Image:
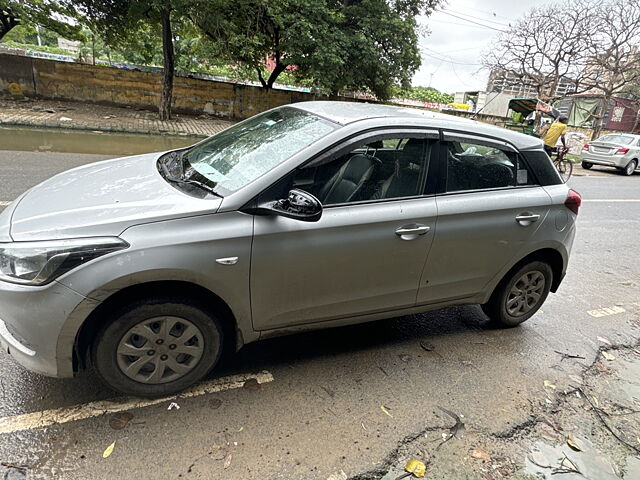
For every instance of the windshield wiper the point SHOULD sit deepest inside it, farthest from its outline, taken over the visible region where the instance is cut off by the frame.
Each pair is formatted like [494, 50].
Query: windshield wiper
[187, 181]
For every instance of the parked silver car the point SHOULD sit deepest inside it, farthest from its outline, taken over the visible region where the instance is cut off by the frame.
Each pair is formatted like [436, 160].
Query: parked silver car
[619, 150]
[307, 216]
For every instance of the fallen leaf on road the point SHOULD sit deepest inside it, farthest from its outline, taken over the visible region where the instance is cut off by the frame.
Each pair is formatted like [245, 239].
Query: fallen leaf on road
[480, 454]
[120, 420]
[427, 346]
[547, 383]
[604, 340]
[227, 461]
[416, 468]
[240, 429]
[386, 412]
[251, 384]
[537, 458]
[574, 443]
[109, 450]
[608, 356]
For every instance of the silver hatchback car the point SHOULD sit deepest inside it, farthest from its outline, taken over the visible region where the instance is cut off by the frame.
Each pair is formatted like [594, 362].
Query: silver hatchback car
[307, 216]
[619, 150]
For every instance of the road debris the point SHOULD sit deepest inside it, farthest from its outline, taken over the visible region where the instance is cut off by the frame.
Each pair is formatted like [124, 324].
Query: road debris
[480, 454]
[173, 405]
[456, 431]
[415, 468]
[386, 412]
[341, 475]
[251, 384]
[574, 443]
[426, 346]
[548, 384]
[604, 340]
[109, 450]
[120, 420]
[227, 461]
[66, 119]
[567, 356]
[608, 356]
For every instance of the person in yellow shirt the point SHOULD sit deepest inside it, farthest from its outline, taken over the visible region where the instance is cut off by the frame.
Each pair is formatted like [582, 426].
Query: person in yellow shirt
[556, 131]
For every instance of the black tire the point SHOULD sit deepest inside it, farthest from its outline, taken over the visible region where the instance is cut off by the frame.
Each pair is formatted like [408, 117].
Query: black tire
[630, 168]
[496, 308]
[208, 342]
[587, 165]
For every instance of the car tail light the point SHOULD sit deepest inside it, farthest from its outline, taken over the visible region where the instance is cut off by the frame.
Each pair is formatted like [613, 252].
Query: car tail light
[585, 147]
[622, 151]
[573, 201]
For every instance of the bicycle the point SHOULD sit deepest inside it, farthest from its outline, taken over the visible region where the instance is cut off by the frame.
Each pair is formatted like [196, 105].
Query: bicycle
[562, 164]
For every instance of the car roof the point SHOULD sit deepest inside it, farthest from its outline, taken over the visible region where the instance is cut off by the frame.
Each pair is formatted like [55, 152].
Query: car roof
[346, 113]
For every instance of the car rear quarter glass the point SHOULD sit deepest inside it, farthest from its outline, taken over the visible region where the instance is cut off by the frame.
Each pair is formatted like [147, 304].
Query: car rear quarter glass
[542, 167]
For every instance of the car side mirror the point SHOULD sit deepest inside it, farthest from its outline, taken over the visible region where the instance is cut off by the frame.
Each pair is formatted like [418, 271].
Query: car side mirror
[299, 205]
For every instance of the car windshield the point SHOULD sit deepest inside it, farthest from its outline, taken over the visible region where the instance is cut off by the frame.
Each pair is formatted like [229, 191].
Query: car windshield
[239, 155]
[617, 139]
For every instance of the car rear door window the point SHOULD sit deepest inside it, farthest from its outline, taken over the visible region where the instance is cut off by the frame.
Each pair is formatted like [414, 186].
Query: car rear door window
[479, 166]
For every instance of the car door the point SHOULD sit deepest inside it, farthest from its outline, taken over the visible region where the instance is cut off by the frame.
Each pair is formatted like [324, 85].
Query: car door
[489, 206]
[364, 255]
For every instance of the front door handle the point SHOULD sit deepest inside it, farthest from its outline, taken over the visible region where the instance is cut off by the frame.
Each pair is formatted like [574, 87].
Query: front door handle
[527, 218]
[409, 232]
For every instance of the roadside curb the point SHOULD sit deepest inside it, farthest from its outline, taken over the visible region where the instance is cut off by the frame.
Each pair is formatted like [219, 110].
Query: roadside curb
[106, 129]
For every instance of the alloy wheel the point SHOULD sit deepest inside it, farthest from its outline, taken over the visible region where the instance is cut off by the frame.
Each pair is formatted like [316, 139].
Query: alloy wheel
[160, 350]
[525, 294]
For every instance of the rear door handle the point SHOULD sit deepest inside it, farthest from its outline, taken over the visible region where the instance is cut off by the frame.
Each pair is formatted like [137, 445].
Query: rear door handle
[527, 217]
[409, 232]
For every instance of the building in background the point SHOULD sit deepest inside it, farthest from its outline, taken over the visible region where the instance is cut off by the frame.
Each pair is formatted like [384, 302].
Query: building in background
[509, 83]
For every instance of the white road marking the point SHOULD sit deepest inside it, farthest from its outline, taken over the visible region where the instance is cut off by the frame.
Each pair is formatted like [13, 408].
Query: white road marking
[45, 418]
[611, 200]
[605, 312]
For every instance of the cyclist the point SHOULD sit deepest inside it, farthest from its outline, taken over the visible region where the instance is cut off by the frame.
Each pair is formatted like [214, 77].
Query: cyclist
[555, 131]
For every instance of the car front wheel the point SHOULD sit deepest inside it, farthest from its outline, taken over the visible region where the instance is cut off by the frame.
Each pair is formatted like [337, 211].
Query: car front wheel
[157, 347]
[520, 294]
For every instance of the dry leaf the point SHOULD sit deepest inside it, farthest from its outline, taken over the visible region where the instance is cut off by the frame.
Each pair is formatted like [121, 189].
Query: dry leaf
[386, 412]
[227, 461]
[109, 450]
[574, 443]
[416, 468]
[595, 401]
[547, 383]
[604, 340]
[608, 356]
[251, 384]
[480, 454]
[120, 420]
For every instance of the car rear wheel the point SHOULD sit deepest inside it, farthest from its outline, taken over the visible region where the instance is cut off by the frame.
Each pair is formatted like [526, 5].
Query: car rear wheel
[520, 294]
[587, 165]
[157, 347]
[630, 168]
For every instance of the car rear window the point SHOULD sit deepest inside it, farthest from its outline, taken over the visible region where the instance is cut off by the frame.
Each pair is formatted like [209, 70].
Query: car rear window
[617, 139]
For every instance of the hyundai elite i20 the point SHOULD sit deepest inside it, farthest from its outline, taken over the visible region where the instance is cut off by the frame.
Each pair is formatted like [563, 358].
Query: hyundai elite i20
[307, 216]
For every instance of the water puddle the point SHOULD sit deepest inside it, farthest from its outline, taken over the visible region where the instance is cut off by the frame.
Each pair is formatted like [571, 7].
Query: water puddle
[551, 462]
[80, 141]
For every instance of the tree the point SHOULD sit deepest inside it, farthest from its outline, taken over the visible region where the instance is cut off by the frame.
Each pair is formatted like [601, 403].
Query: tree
[612, 62]
[546, 45]
[118, 21]
[337, 44]
[46, 13]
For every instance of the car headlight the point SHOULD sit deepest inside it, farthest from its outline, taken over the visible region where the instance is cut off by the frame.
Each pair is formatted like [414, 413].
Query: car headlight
[38, 263]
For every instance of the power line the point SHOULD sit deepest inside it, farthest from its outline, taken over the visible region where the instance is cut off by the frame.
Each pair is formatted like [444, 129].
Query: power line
[451, 61]
[471, 21]
[476, 18]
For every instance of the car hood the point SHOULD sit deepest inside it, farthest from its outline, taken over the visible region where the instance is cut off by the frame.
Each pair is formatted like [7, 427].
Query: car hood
[103, 198]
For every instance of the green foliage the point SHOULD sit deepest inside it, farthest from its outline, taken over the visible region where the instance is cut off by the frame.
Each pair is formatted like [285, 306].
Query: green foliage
[423, 94]
[52, 15]
[334, 44]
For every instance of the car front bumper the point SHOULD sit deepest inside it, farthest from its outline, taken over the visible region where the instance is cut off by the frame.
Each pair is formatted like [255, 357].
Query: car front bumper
[32, 320]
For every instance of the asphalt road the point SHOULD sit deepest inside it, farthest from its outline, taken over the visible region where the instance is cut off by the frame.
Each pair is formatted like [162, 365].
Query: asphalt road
[321, 414]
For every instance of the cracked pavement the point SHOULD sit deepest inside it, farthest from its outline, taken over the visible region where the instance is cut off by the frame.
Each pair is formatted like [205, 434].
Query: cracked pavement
[358, 402]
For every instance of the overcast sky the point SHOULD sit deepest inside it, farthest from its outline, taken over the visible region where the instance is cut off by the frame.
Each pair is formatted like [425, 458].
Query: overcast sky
[451, 52]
